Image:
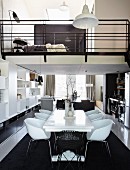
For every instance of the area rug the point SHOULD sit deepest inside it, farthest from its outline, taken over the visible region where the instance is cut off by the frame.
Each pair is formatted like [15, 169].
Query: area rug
[97, 158]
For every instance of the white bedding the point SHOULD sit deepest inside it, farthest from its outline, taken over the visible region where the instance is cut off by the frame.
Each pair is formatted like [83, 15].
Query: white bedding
[55, 47]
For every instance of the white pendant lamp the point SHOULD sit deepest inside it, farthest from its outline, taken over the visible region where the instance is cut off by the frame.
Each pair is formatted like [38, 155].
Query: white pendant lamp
[86, 19]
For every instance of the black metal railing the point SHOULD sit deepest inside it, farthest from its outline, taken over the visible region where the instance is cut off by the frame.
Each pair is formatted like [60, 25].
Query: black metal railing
[32, 37]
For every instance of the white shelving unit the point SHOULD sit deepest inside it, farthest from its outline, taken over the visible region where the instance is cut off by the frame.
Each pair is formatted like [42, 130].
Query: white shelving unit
[27, 91]
[17, 92]
[4, 100]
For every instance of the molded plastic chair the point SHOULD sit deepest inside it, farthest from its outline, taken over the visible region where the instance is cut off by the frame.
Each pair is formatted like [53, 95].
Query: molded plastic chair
[92, 112]
[45, 111]
[41, 116]
[101, 131]
[36, 131]
[94, 117]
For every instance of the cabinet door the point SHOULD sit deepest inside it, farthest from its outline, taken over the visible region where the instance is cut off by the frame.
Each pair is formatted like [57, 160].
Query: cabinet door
[21, 106]
[12, 89]
[2, 82]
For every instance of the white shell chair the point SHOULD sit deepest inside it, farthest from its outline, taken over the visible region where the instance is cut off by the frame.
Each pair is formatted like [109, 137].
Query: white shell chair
[45, 111]
[92, 112]
[36, 131]
[101, 131]
[94, 117]
[41, 116]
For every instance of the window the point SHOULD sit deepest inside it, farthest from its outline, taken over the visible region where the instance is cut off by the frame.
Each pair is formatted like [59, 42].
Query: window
[60, 86]
[81, 85]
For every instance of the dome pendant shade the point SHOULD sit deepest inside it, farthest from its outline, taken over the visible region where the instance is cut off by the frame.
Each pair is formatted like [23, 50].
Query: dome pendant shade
[64, 7]
[85, 20]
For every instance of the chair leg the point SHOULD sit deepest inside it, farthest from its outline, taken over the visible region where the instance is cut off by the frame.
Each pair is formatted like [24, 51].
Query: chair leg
[86, 148]
[50, 152]
[29, 145]
[107, 147]
[59, 159]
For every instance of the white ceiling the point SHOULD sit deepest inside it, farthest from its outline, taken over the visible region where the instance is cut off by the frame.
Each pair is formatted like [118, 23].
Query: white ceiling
[37, 9]
[81, 69]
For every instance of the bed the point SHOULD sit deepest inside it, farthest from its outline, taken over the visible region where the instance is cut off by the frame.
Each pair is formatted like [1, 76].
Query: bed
[45, 48]
[52, 38]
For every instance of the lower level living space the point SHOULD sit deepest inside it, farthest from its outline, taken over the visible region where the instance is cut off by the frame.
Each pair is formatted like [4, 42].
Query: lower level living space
[62, 103]
[16, 133]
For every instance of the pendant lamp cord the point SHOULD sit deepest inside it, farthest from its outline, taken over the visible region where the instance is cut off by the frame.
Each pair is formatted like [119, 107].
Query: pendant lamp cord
[40, 65]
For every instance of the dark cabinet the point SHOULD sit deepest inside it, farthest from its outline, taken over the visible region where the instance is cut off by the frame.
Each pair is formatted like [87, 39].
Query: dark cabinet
[73, 38]
[113, 87]
[117, 108]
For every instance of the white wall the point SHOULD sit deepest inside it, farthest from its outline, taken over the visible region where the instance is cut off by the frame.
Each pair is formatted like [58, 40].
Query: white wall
[98, 84]
[112, 9]
[20, 8]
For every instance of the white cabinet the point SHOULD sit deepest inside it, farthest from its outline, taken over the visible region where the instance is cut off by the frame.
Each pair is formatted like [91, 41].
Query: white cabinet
[17, 92]
[2, 82]
[3, 112]
[23, 83]
[12, 89]
[4, 104]
[21, 105]
[27, 90]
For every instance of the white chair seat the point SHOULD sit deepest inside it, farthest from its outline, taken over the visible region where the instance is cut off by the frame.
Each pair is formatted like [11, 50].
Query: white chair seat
[92, 112]
[42, 116]
[36, 132]
[94, 117]
[35, 129]
[45, 111]
[101, 131]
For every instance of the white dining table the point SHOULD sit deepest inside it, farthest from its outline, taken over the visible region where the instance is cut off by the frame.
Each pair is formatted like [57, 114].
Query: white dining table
[58, 122]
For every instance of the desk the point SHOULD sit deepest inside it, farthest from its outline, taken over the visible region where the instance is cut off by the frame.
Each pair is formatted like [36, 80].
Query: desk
[57, 122]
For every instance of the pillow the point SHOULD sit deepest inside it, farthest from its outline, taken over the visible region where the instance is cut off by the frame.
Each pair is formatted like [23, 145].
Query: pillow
[55, 47]
[60, 48]
[49, 48]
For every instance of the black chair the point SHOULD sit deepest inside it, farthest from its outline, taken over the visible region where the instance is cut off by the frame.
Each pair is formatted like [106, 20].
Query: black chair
[77, 106]
[69, 141]
[60, 104]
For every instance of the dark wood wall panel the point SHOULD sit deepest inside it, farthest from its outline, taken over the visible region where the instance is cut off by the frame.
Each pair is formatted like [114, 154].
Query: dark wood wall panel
[60, 34]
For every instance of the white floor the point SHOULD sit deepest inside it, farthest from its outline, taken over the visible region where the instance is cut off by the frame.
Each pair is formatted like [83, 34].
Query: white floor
[120, 130]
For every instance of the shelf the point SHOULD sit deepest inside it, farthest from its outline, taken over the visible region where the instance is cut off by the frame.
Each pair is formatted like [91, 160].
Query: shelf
[21, 80]
[120, 88]
[21, 88]
[121, 83]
